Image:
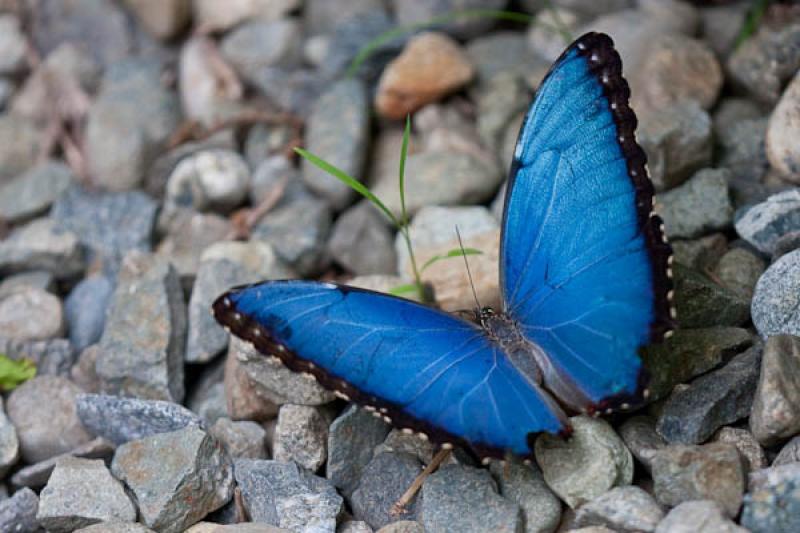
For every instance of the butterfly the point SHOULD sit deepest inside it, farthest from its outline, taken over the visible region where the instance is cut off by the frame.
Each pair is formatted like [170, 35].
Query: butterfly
[585, 279]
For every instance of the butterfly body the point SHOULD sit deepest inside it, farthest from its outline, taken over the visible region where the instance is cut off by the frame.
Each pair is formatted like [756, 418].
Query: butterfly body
[584, 283]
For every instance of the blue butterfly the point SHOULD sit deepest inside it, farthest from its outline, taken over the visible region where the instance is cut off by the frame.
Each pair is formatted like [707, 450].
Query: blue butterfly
[584, 274]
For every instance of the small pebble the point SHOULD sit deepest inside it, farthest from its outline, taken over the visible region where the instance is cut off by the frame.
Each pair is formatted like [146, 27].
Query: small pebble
[361, 242]
[37, 474]
[258, 44]
[685, 517]
[301, 435]
[747, 445]
[702, 303]
[20, 145]
[621, 509]
[85, 309]
[243, 439]
[212, 15]
[698, 207]
[525, 485]
[790, 453]
[784, 124]
[739, 270]
[31, 314]
[213, 180]
[18, 513]
[42, 244]
[763, 224]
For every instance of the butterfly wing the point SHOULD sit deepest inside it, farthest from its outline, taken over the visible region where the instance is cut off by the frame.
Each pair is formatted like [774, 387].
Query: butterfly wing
[421, 368]
[584, 265]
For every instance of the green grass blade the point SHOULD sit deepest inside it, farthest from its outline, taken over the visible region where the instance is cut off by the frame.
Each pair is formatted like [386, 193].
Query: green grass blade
[752, 21]
[350, 181]
[403, 155]
[404, 289]
[15, 372]
[456, 252]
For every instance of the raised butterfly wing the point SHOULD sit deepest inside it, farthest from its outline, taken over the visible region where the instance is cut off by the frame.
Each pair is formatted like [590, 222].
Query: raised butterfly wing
[422, 368]
[584, 266]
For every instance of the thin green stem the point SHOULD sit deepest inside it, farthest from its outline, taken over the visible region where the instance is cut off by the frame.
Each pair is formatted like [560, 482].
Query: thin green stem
[752, 21]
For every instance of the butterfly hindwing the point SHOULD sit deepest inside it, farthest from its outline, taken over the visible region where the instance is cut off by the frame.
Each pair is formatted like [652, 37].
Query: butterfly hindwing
[583, 261]
[425, 369]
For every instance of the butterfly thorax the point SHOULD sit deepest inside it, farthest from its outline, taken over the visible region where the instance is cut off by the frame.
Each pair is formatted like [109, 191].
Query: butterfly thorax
[503, 330]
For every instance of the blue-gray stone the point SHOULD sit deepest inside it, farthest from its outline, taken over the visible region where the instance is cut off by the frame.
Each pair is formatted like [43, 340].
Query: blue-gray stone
[42, 245]
[383, 482]
[772, 502]
[18, 513]
[409, 12]
[763, 224]
[32, 193]
[697, 207]
[86, 310]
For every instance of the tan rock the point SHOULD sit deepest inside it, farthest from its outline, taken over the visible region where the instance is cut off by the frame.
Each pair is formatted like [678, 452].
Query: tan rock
[431, 66]
[783, 131]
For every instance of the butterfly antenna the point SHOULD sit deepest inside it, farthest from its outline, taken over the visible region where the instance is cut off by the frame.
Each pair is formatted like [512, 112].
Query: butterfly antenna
[469, 274]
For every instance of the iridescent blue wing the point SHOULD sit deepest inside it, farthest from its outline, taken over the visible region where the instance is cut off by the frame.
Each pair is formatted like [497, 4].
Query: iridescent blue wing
[422, 368]
[584, 265]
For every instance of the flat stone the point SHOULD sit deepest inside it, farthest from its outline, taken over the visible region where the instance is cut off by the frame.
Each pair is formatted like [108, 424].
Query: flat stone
[31, 314]
[677, 142]
[85, 309]
[39, 279]
[772, 502]
[685, 517]
[713, 471]
[587, 465]
[172, 495]
[775, 414]
[301, 435]
[702, 303]
[689, 353]
[36, 475]
[351, 440]
[209, 180]
[784, 124]
[142, 346]
[507, 53]
[82, 492]
[43, 412]
[18, 513]
[775, 299]
[336, 131]
[747, 445]
[243, 439]
[525, 485]
[320, 15]
[383, 482]
[697, 207]
[640, 436]
[739, 270]
[120, 420]
[9, 443]
[33, 192]
[430, 66]
[763, 224]
[711, 401]
[475, 507]
[286, 495]
[361, 241]
[42, 245]
[621, 509]
[108, 224]
[225, 265]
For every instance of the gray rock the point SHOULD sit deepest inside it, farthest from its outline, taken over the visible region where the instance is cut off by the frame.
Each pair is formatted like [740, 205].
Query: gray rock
[188, 234]
[621, 509]
[52, 357]
[698, 516]
[86, 310]
[545, 38]
[294, 90]
[743, 153]
[502, 99]
[505, 53]
[37, 474]
[524, 485]
[43, 412]
[243, 398]
[129, 123]
[83, 372]
[713, 471]
[163, 20]
[259, 44]
[739, 270]
[701, 303]
[243, 439]
[775, 299]
[13, 45]
[763, 224]
[765, 61]
[337, 131]
[82, 492]
[319, 16]
[121, 420]
[700, 254]
[475, 507]
[420, 11]
[142, 347]
[591, 462]
[42, 245]
[20, 145]
[398, 441]
[354, 526]
[677, 142]
[352, 438]
[403, 526]
[209, 180]
[689, 353]
[772, 503]
[225, 265]
[699, 206]
[210, 14]
[207, 397]
[731, 111]
[31, 314]
[117, 527]
[383, 482]
[362, 243]
[775, 414]
[108, 224]
[787, 243]
[297, 231]
[640, 436]
[471, 180]
[782, 153]
[33, 192]
[40, 279]
[301, 435]
[271, 171]
[719, 23]
[286, 495]
[172, 495]
[275, 382]
[18, 513]
[9, 443]
[747, 445]
[790, 453]
[711, 401]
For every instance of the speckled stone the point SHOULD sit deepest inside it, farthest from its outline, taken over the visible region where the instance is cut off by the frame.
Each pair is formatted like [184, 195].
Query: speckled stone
[525, 485]
[383, 482]
[746, 443]
[697, 207]
[685, 517]
[777, 296]
[621, 509]
[33, 192]
[37, 474]
[763, 224]
[640, 436]
[42, 244]
[772, 503]
[775, 414]
[18, 513]
[352, 439]
[301, 435]
[243, 439]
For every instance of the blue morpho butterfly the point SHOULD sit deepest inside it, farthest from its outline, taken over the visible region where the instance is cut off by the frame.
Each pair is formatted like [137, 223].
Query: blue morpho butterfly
[584, 277]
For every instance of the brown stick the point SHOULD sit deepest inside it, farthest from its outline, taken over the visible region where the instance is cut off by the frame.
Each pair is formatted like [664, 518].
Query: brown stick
[399, 507]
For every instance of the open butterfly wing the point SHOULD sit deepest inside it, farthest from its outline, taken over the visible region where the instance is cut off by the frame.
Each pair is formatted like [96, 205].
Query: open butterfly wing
[424, 369]
[583, 262]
